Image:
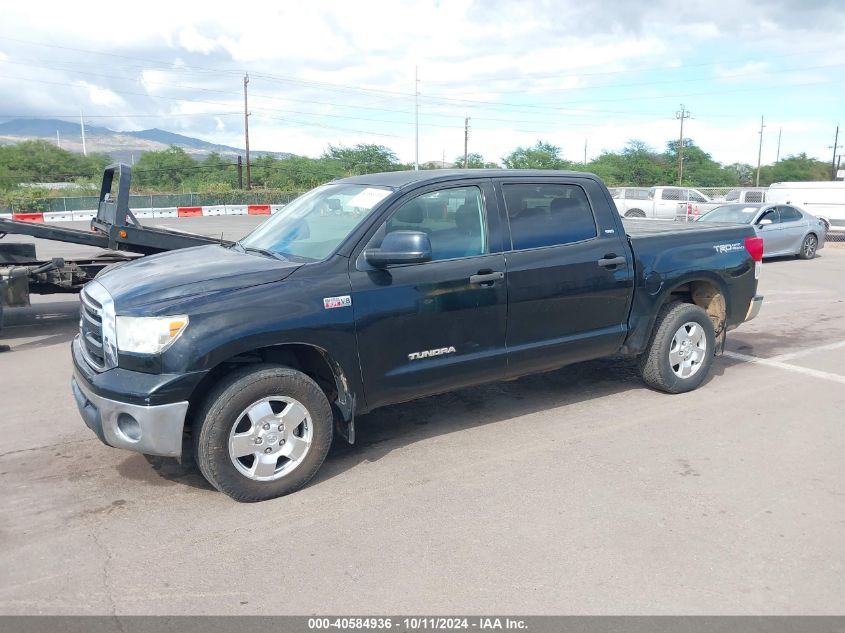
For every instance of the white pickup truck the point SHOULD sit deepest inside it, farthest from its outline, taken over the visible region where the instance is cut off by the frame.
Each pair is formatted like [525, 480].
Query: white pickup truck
[666, 203]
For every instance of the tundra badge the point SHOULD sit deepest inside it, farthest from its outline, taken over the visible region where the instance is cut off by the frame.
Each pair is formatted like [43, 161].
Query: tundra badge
[428, 353]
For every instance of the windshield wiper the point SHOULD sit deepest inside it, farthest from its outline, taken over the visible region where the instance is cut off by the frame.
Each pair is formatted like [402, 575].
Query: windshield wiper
[263, 251]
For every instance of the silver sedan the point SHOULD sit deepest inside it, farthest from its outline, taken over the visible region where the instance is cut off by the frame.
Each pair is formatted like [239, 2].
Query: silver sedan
[786, 230]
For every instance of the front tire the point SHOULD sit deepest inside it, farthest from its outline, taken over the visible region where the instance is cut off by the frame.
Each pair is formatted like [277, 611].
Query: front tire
[635, 213]
[263, 432]
[809, 247]
[681, 349]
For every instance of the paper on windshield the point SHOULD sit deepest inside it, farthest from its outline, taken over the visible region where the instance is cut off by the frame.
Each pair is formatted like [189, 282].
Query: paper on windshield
[368, 198]
[749, 209]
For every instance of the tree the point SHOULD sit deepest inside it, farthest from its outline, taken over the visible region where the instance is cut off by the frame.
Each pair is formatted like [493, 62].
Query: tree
[40, 161]
[743, 172]
[167, 169]
[792, 168]
[363, 158]
[700, 169]
[637, 164]
[474, 161]
[539, 156]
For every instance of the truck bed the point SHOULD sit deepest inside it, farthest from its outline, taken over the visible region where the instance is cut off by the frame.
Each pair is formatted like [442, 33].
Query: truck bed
[647, 228]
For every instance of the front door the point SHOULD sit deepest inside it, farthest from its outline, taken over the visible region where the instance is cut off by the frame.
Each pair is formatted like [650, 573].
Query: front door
[570, 275]
[440, 325]
[772, 234]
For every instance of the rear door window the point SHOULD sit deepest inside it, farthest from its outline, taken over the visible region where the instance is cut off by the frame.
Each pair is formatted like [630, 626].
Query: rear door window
[671, 194]
[546, 214]
[789, 214]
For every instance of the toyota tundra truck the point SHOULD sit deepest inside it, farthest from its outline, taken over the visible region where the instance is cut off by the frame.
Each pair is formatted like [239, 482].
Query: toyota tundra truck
[251, 357]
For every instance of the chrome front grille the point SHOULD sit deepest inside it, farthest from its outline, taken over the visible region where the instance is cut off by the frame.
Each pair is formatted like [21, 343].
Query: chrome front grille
[91, 331]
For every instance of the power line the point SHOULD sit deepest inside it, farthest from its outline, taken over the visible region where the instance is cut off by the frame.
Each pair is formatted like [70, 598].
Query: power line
[188, 67]
[441, 98]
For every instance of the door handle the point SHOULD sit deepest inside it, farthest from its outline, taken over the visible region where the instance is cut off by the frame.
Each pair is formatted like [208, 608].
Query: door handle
[486, 278]
[611, 260]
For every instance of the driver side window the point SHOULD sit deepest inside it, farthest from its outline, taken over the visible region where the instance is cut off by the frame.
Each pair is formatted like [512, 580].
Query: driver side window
[771, 214]
[454, 220]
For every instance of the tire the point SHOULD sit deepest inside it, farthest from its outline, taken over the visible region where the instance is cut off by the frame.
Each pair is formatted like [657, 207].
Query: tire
[809, 247]
[675, 323]
[634, 213]
[276, 408]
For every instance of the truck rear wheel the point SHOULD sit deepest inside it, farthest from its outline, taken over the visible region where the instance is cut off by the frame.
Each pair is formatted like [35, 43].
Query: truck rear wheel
[263, 432]
[680, 353]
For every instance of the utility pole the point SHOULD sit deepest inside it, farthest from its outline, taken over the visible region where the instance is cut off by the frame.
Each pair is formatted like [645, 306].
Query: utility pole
[246, 132]
[585, 152]
[681, 114]
[443, 162]
[760, 150]
[240, 173]
[82, 125]
[777, 156]
[834, 147]
[58, 140]
[416, 119]
[466, 140]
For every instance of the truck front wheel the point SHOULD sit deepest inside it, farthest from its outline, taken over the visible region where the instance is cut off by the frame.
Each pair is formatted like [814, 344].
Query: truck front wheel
[262, 432]
[681, 349]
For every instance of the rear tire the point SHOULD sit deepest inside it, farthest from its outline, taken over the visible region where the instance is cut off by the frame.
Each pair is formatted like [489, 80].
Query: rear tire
[635, 213]
[681, 348]
[809, 247]
[262, 432]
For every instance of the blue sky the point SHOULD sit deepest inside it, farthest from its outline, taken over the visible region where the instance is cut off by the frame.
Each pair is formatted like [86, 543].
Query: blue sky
[343, 73]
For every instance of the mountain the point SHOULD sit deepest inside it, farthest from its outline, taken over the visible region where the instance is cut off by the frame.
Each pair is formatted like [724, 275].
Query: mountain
[121, 146]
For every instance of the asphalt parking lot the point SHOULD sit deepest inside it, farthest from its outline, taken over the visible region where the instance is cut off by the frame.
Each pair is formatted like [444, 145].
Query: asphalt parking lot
[578, 491]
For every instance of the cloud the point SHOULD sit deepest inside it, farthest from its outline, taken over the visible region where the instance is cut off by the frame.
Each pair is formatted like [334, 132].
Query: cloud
[331, 72]
[100, 96]
[741, 73]
[193, 42]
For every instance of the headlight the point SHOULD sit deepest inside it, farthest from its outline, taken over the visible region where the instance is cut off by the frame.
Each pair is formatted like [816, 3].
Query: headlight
[149, 335]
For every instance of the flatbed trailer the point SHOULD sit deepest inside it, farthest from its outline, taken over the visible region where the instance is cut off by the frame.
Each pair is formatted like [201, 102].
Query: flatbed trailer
[114, 229]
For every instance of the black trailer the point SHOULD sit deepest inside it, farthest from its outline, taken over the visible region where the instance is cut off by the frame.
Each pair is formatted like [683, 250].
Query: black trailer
[114, 229]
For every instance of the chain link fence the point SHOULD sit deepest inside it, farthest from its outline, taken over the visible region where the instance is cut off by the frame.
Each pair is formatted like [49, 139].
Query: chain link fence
[159, 200]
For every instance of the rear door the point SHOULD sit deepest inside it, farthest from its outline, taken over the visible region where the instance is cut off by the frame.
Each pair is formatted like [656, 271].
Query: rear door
[440, 325]
[569, 273]
[794, 227]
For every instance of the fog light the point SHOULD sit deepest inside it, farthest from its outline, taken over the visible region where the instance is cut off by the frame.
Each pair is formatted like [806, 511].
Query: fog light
[129, 427]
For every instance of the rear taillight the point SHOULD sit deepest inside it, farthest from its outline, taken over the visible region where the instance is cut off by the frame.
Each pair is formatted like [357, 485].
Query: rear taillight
[754, 246]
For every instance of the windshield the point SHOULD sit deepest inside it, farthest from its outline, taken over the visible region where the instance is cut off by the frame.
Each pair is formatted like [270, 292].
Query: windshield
[311, 227]
[731, 213]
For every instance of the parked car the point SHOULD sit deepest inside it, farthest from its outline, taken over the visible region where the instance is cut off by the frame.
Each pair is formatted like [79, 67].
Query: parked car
[824, 199]
[664, 203]
[752, 195]
[256, 353]
[630, 199]
[786, 230]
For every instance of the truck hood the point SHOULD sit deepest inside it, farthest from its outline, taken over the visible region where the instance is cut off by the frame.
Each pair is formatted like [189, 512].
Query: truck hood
[189, 271]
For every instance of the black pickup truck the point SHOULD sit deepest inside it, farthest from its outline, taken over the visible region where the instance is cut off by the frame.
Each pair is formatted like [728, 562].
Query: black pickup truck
[383, 288]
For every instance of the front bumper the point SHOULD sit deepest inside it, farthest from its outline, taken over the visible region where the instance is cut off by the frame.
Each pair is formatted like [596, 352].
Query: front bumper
[754, 307]
[154, 430]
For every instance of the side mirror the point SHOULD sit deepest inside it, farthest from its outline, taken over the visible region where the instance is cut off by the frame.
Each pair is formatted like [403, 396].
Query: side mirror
[764, 222]
[400, 247]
